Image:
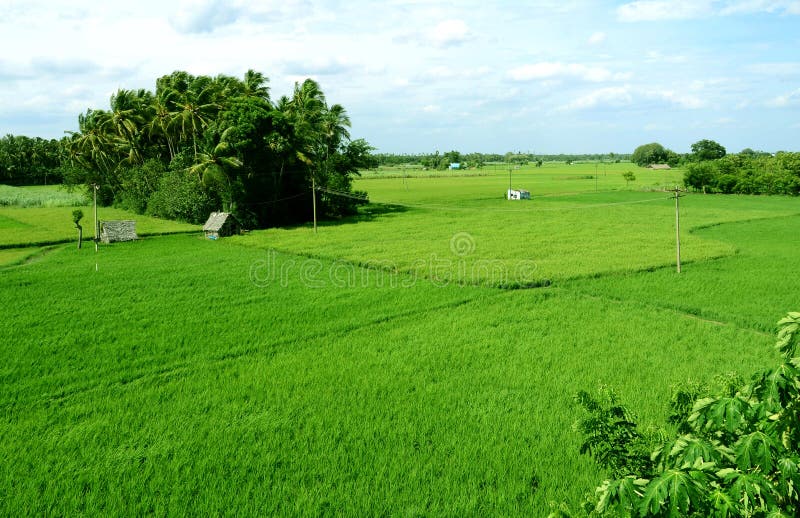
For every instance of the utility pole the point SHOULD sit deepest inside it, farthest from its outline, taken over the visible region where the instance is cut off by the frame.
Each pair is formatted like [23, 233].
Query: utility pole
[678, 195]
[314, 200]
[95, 187]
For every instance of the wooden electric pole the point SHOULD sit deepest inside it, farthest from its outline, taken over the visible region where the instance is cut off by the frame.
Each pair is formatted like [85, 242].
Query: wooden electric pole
[678, 195]
[314, 200]
[95, 187]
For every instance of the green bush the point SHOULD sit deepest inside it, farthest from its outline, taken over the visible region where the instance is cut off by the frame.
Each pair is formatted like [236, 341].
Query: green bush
[736, 452]
[139, 184]
[181, 196]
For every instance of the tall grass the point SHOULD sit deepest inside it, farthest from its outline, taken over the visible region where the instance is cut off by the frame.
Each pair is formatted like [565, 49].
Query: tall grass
[185, 376]
[169, 382]
[40, 196]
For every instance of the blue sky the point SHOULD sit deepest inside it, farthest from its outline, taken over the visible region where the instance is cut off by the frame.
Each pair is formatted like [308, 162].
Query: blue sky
[544, 76]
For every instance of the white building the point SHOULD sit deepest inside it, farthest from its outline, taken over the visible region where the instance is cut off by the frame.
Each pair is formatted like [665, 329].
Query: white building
[519, 194]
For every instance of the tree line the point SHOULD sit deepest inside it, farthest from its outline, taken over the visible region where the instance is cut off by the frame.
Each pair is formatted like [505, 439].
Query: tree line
[709, 168]
[478, 160]
[199, 143]
[30, 161]
[746, 173]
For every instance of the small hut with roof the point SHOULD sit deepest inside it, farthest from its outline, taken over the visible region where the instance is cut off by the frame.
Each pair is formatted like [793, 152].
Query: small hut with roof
[221, 224]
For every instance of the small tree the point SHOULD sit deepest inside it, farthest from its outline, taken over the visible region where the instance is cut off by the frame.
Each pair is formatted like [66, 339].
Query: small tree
[705, 149]
[646, 154]
[77, 215]
[629, 177]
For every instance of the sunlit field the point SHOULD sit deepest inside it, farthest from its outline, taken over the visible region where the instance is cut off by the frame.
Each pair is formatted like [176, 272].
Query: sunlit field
[380, 366]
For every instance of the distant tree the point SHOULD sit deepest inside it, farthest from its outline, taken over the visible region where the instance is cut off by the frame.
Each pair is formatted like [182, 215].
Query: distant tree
[699, 176]
[703, 150]
[673, 158]
[77, 215]
[646, 154]
[629, 177]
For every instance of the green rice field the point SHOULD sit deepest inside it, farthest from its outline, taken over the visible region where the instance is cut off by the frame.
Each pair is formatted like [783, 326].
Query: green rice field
[381, 366]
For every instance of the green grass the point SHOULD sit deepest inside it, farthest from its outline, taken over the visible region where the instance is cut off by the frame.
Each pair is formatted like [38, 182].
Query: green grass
[460, 229]
[179, 385]
[449, 188]
[41, 196]
[187, 376]
[749, 288]
[13, 256]
[20, 227]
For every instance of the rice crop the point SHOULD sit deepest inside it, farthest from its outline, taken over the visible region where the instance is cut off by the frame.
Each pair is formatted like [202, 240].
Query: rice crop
[291, 373]
[41, 196]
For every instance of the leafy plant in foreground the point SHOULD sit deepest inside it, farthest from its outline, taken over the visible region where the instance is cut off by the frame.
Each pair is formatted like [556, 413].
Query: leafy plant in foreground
[736, 453]
[77, 215]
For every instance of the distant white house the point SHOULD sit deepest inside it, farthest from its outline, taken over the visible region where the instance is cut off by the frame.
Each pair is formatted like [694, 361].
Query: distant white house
[455, 165]
[519, 194]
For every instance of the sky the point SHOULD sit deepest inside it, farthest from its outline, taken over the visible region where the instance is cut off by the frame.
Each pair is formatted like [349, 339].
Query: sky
[416, 76]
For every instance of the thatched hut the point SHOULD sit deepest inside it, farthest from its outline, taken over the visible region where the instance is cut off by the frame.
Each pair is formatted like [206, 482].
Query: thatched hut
[221, 224]
[118, 230]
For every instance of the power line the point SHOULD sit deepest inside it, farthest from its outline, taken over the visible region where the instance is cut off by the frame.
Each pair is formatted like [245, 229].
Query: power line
[269, 202]
[446, 208]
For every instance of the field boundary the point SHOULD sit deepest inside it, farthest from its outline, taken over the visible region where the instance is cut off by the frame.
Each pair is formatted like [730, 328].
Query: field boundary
[39, 244]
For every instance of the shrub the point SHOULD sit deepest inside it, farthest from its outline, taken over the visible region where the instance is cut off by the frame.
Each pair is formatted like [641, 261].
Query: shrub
[181, 196]
[737, 452]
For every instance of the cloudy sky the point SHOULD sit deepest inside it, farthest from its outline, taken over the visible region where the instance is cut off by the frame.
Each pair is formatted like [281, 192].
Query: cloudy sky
[544, 76]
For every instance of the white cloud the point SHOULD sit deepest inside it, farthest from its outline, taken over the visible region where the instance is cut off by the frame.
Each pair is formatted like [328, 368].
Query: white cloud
[619, 96]
[597, 38]
[319, 66]
[611, 96]
[431, 108]
[655, 10]
[550, 70]
[687, 101]
[449, 33]
[662, 10]
[760, 6]
[202, 16]
[445, 72]
[782, 101]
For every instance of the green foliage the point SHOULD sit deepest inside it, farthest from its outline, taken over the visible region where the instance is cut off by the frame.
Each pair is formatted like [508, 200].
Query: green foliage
[747, 174]
[182, 197]
[139, 184]
[30, 161]
[252, 156]
[737, 454]
[610, 434]
[40, 196]
[629, 177]
[646, 154]
[77, 216]
[703, 150]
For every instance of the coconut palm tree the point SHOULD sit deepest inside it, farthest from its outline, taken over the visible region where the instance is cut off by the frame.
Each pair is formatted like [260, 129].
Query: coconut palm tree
[216, 167]
[255, 85]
